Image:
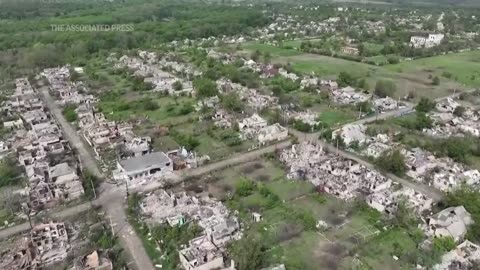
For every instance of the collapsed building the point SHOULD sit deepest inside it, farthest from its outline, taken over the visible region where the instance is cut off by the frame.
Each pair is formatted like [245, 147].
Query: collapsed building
[346, 179]
[450, 222]
[94, 261]
[464, 256]
[201, 254]
[348, 95]
[219, 226]
[47, 244]
[177, 209]
[158, 72]
[68, 92]
[38, 141]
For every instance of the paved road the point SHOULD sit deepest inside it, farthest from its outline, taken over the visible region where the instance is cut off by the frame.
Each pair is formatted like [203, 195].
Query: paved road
[401, 111]
[71, 135]
[71, 211]
[113, 203]
[234, 160]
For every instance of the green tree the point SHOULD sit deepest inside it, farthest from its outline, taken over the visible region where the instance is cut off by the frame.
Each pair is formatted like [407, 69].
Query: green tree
[9, 172]
[385, 88]
[205, 87]
[69, 113]
[459, 111]
[392, 161]
[436, 80]
[425, 105]
[422, 121]
[456, 148]
[177, 85]
[345, 79]
[247, 253]
[364, 107]
[232, 102]
[468, 197]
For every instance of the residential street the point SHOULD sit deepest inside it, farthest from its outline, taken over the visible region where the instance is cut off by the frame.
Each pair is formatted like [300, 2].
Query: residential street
[113, 204]
[112, 197]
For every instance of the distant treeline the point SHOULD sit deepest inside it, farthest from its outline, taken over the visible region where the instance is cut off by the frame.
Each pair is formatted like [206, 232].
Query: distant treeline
[35, 34]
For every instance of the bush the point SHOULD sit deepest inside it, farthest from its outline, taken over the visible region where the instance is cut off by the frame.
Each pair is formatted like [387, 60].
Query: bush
[232, 102]
[245, 188]
[301, 126]
[9, 172]
[150, 105]
[447, 74]
[392, 161]
[177, 85]
[443, 244]
[345, 79]
[459, 111]
[425, 105]
[385, 88]
[247, 253]
[69, 113]
[469, 197]
[456, 148]
[393, 60]
[436, 80]
[90, 184]
[205, 87]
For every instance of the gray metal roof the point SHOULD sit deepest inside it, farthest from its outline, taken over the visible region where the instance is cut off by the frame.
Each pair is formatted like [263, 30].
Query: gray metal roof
[144, 162]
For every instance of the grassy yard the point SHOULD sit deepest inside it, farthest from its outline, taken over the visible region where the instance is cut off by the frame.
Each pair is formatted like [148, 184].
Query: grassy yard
[334, 117]
[168, 110]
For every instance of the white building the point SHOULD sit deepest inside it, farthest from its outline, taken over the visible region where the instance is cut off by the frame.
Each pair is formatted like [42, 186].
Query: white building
[430, 41]
[146, 165]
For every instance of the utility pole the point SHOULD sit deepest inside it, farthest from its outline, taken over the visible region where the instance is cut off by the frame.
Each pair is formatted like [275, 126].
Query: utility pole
[93, 188]
[337, 146]
[27, 212]
[111, 226]
[126, 187]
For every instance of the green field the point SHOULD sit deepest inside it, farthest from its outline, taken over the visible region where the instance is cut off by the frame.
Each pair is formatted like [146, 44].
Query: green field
[412, 76]
[296, 43]
[269, 48]
[464, 67]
